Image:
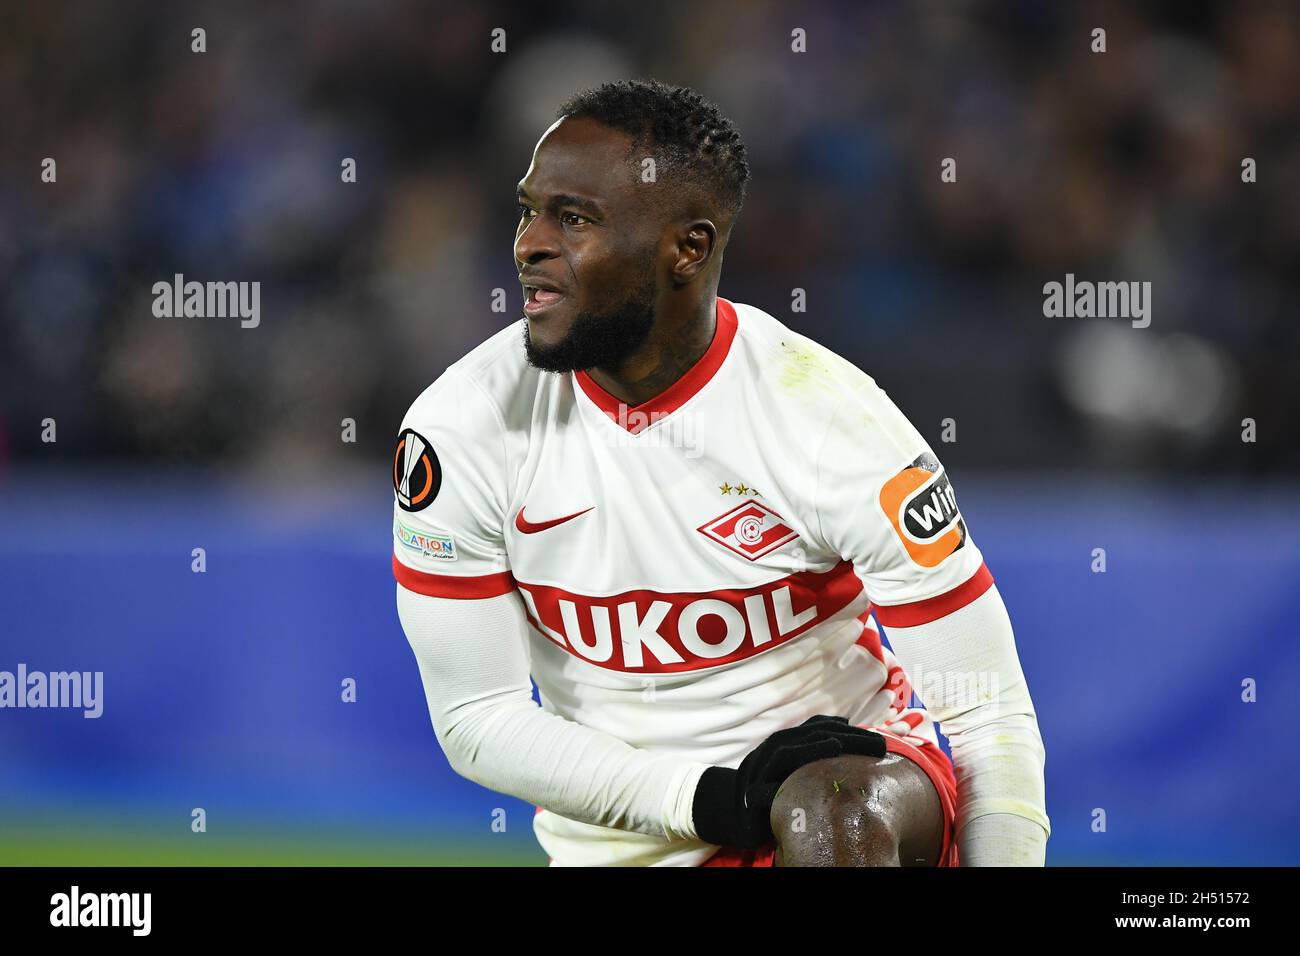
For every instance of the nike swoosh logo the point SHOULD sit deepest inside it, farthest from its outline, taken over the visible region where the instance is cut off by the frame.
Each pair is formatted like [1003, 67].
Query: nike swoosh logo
[528, 527]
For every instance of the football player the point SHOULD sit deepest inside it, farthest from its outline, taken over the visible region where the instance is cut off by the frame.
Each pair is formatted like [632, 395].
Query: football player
[677, 516]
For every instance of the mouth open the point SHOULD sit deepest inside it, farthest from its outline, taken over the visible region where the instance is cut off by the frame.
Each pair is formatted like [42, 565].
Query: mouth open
[537, 301]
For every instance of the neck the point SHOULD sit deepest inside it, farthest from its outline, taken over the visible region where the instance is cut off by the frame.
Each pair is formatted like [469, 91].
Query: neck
[667, 355]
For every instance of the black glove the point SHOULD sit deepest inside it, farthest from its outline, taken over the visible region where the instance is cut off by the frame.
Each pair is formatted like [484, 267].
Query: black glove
[732, 807]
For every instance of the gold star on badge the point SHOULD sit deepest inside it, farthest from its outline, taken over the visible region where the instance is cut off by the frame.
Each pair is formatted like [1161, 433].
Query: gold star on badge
[742, 490]
[726, 488]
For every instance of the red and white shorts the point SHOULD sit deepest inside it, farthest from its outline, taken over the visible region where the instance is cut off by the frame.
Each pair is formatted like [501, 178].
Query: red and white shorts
[928, 757]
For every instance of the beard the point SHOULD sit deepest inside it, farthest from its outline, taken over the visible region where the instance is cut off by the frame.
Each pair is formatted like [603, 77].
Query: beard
[599, 339]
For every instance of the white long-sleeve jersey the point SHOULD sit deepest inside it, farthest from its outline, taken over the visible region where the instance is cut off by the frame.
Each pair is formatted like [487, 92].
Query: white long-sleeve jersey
[683, 578]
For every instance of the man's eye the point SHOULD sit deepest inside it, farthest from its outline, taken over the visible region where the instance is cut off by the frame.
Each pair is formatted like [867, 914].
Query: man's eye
[524, 211]
[568, 216]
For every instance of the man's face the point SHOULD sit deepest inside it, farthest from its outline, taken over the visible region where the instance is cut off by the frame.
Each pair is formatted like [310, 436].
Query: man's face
[585, 248]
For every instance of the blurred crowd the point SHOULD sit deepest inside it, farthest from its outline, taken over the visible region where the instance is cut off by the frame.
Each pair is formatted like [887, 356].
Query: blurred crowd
[225, 166]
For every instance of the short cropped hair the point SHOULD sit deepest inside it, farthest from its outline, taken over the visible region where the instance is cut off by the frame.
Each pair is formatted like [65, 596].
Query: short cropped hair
[678, 125]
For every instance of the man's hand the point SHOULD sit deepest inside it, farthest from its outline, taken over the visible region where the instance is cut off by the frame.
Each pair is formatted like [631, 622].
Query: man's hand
[732, 807]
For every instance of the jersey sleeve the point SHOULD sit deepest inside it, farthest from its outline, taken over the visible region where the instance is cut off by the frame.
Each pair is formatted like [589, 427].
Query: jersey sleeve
[450, 492]
[473, 659]
[885, 503]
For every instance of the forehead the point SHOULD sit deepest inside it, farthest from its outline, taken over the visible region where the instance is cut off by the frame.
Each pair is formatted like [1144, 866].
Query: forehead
[581, 157]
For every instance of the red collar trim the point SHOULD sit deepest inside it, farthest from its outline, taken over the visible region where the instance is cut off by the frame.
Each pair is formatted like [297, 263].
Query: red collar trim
[636, 418]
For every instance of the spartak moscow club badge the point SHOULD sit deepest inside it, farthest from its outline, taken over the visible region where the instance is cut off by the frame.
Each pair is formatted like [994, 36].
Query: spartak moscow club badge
[751, 530]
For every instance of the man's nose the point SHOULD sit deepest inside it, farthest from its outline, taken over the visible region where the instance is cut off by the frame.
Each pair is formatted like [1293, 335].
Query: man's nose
[538, 241]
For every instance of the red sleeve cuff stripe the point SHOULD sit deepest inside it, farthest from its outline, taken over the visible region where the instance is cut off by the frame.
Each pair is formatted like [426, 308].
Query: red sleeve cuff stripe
[931, 609]
[453, 586]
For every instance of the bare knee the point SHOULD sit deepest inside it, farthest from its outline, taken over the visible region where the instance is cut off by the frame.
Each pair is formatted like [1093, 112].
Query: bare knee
[855, 811]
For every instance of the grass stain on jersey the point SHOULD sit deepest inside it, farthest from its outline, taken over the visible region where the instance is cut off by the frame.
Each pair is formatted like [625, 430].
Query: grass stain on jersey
[802, 368]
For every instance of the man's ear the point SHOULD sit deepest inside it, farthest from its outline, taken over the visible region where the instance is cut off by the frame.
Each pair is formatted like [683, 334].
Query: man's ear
[695, 243]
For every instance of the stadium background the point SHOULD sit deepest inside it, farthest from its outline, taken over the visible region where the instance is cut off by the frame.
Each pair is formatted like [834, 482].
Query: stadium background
[222, 689]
